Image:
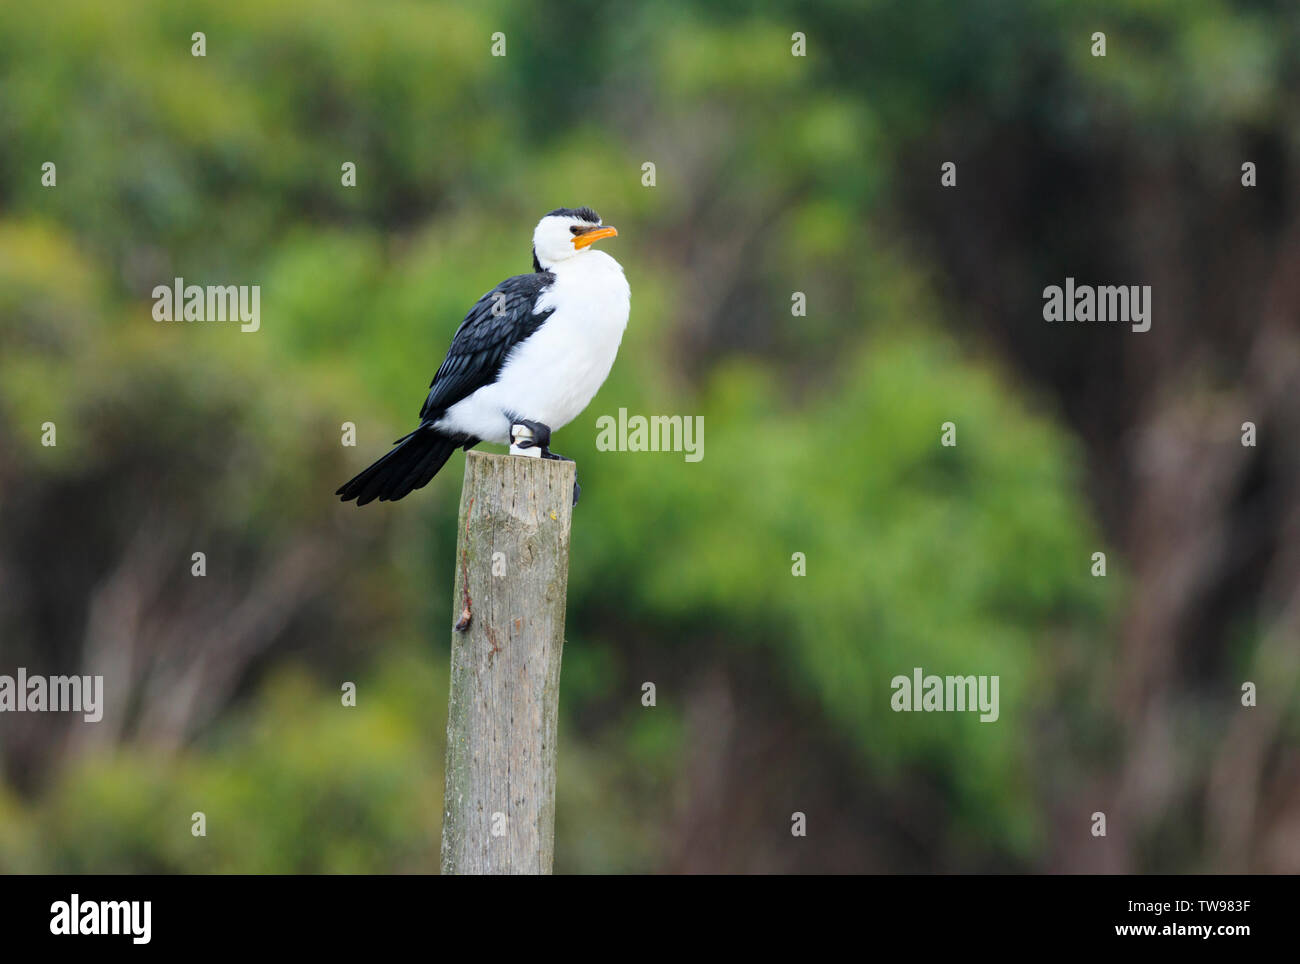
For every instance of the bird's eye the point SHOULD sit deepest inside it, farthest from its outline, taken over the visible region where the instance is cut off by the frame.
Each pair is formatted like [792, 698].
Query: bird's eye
[575, 230]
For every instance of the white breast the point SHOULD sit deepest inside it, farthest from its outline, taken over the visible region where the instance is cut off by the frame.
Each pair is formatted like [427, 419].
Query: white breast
[552, 375]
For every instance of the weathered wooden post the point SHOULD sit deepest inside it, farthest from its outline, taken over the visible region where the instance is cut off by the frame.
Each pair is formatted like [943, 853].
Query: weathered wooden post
[512, 577]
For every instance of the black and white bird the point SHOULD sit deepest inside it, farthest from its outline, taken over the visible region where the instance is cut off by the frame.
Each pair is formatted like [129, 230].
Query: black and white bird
[526, 360]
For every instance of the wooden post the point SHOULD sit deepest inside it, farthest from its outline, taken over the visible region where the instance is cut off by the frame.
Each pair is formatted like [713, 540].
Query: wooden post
[512, 577]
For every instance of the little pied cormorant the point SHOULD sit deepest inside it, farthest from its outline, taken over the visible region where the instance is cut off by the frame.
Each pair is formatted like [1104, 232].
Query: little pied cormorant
[526, 360]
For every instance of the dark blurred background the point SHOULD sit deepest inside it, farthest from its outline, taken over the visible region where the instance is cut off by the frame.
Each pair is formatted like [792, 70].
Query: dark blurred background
[774, 174]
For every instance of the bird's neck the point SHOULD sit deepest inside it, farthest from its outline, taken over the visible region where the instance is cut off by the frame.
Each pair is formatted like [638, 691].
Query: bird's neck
[585, 263]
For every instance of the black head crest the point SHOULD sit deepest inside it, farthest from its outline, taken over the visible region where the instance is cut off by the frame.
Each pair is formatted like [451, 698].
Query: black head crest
[582, 214]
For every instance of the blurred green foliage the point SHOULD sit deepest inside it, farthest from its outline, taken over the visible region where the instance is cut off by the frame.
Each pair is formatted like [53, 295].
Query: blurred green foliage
[821, 433]
[293, 784]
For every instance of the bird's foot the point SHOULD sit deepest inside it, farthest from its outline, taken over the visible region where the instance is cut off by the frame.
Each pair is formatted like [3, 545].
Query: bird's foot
[529, 438]
[532, 439]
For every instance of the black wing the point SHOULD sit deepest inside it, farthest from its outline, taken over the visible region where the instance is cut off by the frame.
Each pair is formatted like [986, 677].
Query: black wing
[501, 319]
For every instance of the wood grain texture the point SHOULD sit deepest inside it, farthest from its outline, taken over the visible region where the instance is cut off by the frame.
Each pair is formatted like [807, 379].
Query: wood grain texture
[499, 807]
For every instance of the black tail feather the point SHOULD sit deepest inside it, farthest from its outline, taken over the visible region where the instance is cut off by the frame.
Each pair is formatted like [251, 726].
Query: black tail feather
[410, 465]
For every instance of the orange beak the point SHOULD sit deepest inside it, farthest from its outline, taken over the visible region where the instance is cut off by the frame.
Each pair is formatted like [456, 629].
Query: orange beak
[592, 236]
